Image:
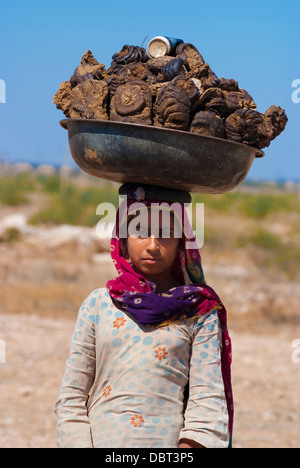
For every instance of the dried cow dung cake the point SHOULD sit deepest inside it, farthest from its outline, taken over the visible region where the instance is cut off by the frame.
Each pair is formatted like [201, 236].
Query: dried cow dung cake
[172, 108]
[208, 123]
[207, 77]
[88, 69]
[62, 98]
[247, 126]
[173, 68]
[132, 102]
[89, 99]
[238, 99]
[213, 99]
[178, 91]
[275, 121]
[193, 58]
[137, 71]
[226, 102]
[128, 54]
[190, 87]
[113, 82]
[254, 128]
[156, 64]
[86, 94]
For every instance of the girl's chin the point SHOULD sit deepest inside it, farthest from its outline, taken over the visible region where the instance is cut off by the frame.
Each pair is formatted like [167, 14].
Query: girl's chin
[149, 268]
[151, 271]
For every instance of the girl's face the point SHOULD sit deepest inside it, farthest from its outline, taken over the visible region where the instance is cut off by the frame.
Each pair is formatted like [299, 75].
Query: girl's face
[153, 250]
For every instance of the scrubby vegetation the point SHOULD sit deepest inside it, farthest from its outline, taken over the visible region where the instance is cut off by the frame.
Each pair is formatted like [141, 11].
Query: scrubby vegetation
[264, 218]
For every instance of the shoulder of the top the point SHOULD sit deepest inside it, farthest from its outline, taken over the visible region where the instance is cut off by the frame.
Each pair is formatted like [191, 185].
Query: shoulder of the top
[99, 294]
[207, 319]
[97, 301]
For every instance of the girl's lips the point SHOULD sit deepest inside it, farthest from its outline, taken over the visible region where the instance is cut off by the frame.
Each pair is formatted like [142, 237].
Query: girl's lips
[151, 260]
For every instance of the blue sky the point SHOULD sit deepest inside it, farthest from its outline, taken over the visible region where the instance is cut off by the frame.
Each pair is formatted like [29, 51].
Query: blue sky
[256, 43]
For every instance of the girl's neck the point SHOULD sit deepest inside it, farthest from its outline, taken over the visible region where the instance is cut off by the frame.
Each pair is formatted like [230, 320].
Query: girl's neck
[163, 283]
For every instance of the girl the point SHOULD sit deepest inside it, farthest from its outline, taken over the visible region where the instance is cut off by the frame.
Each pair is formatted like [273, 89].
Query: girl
[149, 364]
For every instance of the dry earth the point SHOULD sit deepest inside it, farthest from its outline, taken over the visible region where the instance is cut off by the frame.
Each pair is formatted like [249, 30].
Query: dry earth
[43, 282]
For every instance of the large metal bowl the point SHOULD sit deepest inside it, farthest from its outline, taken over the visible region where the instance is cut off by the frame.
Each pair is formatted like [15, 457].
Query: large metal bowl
[123, 152]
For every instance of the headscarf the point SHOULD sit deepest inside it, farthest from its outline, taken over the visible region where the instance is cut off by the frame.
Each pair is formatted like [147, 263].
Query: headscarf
[135, 294]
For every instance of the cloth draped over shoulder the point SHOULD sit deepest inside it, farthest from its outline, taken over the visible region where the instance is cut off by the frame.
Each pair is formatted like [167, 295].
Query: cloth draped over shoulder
[133, 293]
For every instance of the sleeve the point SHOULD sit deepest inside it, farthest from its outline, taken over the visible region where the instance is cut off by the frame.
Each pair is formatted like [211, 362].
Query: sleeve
[73, 427]
[206, 416]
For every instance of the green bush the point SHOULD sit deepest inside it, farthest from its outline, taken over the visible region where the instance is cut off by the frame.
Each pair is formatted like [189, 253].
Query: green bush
[13, 189]
[251, 205]
[222, 203]
[265, 239]
[275, 252]
[71, 205]
[50, 183]
[260, 205]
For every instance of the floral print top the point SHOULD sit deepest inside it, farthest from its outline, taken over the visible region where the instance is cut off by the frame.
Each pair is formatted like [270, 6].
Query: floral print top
[124, 385]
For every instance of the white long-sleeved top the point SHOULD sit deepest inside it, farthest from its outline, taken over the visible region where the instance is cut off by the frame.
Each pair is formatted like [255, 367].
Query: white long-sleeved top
[124, 385]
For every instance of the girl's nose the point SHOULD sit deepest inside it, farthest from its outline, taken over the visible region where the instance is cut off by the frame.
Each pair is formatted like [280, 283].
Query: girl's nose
[153, 243]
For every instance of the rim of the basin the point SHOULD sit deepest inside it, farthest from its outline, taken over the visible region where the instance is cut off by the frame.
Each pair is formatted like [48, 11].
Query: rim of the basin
[258, 153]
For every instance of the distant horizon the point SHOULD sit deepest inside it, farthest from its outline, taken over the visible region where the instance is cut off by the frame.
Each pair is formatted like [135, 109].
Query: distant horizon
[72, 165]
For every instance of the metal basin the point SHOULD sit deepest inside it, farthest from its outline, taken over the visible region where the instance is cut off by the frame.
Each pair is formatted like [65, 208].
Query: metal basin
[123, 152]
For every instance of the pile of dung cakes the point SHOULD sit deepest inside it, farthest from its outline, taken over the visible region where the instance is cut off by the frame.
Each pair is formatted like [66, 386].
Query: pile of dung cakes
[175, 89]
